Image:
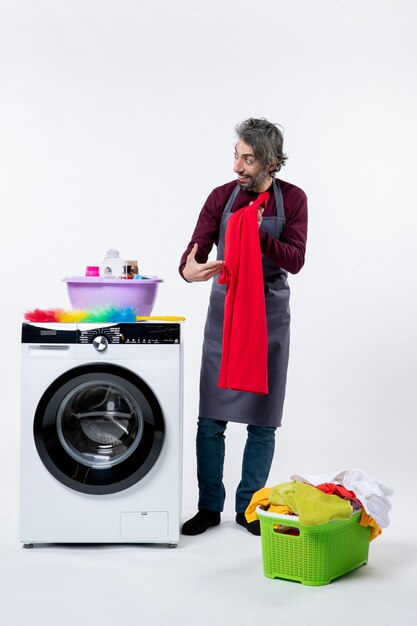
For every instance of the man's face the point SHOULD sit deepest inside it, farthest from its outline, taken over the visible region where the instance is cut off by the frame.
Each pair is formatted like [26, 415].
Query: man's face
[251, 173]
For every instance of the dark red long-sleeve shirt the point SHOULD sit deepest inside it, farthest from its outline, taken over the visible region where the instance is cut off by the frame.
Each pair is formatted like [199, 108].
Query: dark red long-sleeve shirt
[288, 252]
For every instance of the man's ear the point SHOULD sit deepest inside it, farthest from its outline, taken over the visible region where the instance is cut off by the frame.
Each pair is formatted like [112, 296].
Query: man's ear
[273, 165]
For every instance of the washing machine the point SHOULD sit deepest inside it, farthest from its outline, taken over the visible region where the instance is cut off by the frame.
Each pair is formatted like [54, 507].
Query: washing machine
[101, 433]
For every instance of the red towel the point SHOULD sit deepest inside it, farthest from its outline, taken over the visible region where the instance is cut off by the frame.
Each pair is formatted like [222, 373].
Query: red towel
[244, 363]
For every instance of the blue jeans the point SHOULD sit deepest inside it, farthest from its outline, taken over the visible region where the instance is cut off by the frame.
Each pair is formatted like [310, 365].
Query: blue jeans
[257, 459]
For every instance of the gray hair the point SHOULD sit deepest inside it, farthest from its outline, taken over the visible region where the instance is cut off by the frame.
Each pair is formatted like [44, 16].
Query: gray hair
[266, 140]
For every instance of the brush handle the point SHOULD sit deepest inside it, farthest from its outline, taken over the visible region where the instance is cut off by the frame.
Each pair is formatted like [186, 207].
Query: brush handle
[162, 318]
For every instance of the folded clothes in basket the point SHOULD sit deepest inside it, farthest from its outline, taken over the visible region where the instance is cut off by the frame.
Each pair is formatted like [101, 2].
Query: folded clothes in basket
[314, 505]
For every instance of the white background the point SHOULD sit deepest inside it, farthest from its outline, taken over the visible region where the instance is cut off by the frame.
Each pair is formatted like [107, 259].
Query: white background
[117, 120]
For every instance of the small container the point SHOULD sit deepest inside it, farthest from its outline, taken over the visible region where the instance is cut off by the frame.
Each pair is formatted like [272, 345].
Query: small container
[127, 273]
[134, 265]
[92, 270]
[112, 264]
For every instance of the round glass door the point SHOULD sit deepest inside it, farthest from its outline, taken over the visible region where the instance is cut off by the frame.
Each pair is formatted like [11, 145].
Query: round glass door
[99, 428]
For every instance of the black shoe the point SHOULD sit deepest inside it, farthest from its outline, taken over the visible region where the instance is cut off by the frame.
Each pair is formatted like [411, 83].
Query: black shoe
[201, 522]
[251, 527]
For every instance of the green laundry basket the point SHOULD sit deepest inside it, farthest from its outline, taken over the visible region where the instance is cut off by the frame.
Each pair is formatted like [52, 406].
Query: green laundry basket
[312, 555]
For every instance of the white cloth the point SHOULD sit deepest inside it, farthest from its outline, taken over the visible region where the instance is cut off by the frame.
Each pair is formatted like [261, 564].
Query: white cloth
[371, 493]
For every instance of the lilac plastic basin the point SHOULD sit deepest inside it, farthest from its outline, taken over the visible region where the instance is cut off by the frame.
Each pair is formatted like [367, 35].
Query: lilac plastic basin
[86, 292]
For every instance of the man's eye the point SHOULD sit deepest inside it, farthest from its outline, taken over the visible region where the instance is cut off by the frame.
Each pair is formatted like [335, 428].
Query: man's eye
[249, 161]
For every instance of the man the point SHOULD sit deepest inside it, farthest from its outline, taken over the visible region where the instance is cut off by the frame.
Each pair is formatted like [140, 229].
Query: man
[282, 234]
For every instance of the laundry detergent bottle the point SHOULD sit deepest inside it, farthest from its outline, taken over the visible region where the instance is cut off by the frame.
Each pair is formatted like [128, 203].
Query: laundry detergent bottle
[112, 264]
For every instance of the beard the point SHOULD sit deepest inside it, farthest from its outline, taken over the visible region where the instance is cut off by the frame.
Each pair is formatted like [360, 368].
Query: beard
[254, 181]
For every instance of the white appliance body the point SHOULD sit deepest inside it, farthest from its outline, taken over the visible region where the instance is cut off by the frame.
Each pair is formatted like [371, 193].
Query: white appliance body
[86, 403]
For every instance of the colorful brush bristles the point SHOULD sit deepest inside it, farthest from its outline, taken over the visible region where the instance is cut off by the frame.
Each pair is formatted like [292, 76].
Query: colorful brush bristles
[100, 314]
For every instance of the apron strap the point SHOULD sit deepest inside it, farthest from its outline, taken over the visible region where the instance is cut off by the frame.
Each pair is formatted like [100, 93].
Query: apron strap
[229, 205]
[279, 200]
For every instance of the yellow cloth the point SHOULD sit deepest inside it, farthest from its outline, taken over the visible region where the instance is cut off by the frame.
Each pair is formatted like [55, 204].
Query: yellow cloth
[261, 498]
[367, 520]
[312, 506]
[283, 509]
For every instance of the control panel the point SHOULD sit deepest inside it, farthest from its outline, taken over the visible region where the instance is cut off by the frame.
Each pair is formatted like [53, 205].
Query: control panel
[102, 336]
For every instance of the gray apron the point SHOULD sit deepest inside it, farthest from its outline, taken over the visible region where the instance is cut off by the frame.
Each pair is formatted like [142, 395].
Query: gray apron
[242, 406]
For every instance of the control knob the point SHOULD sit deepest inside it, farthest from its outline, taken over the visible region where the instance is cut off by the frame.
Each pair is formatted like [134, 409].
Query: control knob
[100, 343]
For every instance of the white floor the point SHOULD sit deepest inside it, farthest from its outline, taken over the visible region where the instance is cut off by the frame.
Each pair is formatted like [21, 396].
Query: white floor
[216, 578]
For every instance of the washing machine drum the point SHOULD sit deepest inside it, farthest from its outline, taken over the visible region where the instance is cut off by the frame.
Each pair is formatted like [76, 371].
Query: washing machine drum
[99, 428]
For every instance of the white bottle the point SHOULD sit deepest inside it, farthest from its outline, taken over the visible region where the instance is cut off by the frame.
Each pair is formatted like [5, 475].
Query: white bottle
[112, 265]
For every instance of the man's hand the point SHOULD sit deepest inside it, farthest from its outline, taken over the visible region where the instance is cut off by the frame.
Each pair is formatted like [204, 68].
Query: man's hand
[261, 209]
[260, 213]
[197, 272]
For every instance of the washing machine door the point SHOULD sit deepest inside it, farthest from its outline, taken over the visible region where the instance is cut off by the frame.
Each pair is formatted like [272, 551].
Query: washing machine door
[99, 428]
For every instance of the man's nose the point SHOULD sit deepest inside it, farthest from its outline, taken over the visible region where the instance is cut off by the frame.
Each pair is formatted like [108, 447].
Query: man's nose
[238, 166]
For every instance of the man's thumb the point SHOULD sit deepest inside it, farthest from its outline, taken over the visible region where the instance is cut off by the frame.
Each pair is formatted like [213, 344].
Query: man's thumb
[193, 251]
